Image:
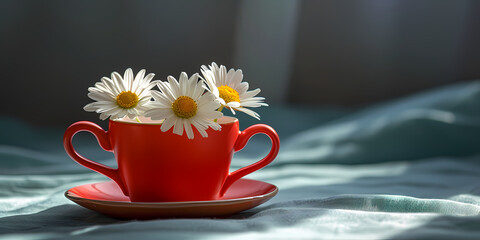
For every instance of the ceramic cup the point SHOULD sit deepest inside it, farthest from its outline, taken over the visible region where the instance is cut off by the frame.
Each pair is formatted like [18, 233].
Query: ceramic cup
[156, 166]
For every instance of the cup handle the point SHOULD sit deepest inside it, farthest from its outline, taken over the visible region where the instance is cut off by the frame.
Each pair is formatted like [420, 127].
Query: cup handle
[242, 140]
[102, 138]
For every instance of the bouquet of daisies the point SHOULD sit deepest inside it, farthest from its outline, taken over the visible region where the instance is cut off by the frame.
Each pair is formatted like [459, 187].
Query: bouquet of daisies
[195, 100]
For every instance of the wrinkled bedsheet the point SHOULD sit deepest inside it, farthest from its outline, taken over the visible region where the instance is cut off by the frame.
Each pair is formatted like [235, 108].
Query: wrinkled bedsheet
[404, 169]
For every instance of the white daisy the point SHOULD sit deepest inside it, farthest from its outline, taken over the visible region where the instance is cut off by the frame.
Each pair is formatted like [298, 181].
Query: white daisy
[118, 97]
[183, 104]
[230, 90]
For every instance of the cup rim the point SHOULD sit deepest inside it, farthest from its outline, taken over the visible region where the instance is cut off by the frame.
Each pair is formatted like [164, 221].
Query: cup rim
[225, 120]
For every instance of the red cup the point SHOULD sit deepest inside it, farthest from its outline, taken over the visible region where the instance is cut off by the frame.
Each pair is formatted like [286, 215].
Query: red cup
[156, 166]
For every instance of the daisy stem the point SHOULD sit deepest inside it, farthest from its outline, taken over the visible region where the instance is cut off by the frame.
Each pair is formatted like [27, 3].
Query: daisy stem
[220, 110]
[138, 120]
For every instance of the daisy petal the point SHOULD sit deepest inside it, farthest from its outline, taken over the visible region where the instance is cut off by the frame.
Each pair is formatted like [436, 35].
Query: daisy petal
[216, 77]
[178, 126]
[110, 84]
[128, 79]
[233, 104]
[242, 88]
[103, 116]
[200, 129]
[180, 115]
[183, 84]
[188, 128]
[197, 90]
[138, 80]
[119, 84]
[168, 123]
[174, 86]
[249, 94]
[249, 112]
[106, 94]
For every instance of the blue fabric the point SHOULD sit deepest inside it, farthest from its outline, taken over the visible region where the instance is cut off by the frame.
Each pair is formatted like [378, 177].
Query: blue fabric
[407, 169]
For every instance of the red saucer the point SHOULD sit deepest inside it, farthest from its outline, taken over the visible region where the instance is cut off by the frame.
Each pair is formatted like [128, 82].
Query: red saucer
[107, 198]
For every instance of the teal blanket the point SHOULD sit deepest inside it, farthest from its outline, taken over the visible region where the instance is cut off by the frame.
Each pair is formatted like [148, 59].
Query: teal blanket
[406, 169]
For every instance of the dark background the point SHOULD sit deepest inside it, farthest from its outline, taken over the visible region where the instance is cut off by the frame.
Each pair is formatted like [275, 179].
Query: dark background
[300, 53]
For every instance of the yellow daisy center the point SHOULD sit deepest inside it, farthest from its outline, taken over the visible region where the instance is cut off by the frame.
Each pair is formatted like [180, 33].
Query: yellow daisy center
[184, 107]
[127, 99]
[228, 94]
